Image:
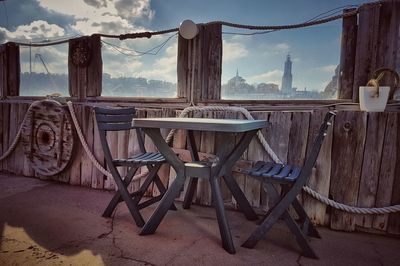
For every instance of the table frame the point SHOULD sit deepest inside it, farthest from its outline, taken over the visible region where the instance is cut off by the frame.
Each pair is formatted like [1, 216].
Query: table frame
[227, 156]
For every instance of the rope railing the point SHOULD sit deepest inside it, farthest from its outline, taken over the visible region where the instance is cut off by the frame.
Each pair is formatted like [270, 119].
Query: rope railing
[184, 113]
[149, 34]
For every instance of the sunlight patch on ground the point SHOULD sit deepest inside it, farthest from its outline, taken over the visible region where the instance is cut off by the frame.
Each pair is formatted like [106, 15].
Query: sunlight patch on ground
[18, 248]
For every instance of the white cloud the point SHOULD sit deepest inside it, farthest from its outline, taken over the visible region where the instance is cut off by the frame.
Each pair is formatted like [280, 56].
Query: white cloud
[233, 51]
[273, 76]
[163, 68]
[36, 30]
[106, 16]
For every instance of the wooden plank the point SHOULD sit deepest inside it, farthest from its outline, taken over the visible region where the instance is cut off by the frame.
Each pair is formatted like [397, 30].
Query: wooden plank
[347, 153]
[3, 70]
[183, 68]
[13, 163]
[388, 41]
[366, 49]
[2, 129]
[347, 55]
[97, 176]
[179, 141]
[112, 140]
[6, 127]
[95, 67]
[371, 165]
[134, 148]
[87, 128]
[297, 137]
[320, 177]
[255, 152]
[149, 145]
[75, 171]
[387, 170]
[207, 145]
[163, 173]
[211, 67]
[13, 69]
[27, 169]
[394, 218]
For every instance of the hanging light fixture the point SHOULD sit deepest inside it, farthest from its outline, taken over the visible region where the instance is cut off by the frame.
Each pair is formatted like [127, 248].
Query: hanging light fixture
[188, 29]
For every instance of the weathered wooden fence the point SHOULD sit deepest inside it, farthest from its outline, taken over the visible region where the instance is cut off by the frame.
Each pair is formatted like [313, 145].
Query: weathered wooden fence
[359, 163]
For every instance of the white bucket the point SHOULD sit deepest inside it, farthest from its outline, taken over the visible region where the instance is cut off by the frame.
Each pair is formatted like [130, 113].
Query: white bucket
[370, 102]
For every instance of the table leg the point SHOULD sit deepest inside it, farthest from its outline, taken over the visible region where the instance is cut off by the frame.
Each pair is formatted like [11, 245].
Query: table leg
[224, 230]
[168, 199]
[192, 186]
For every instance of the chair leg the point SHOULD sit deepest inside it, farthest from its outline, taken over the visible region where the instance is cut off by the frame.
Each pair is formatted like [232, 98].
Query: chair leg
[168, 199]
[190, 192]
[300, 238]
[218, 203]
[117, 196]
[163, 189]
[269, 219]
[307, 226]
[133, 208]
[237, 193]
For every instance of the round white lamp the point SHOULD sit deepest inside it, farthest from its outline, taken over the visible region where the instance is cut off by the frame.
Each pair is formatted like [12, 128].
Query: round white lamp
[188, 29]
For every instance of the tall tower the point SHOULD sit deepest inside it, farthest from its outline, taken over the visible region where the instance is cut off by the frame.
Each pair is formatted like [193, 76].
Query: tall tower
[287, 77]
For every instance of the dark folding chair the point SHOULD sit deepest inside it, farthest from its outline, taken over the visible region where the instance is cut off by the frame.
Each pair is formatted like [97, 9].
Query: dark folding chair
[291, 178]
[120, 119]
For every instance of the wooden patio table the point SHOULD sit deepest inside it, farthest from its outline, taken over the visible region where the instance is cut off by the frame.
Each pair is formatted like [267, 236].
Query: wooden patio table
[226, 156]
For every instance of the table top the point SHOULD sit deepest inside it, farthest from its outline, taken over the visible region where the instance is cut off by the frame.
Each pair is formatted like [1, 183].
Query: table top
[203, 124]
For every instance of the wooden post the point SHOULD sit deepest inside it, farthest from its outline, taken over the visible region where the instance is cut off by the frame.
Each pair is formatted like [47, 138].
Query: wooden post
[389, 40]
[347, 55]
[199, 64]
[366, 49]
[9, 70]
[85, 67]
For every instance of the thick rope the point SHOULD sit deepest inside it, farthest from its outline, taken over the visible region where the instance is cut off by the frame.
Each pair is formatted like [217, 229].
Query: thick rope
[16, 138]
[184, 113]
[275, 158]
[87, 150]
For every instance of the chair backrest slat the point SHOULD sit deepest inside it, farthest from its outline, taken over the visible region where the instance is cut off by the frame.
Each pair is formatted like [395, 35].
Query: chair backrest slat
[116, 119]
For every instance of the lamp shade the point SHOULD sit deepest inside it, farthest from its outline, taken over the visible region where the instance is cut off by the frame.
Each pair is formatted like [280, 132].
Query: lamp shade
[188, 29]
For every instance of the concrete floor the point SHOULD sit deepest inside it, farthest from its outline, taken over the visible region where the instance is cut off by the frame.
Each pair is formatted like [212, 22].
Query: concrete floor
[45, 223]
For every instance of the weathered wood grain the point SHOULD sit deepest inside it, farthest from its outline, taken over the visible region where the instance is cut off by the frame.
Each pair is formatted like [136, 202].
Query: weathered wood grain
[179, 141]
[347, 55]
[2, 129]
[13, 125]
[321, 174]
[394, 218]
[97, 176]
[255, 152]
[366, 49]
[387, 170]
[87, 165]
[347, 153]
[75, 171]
[6, 132]
[371, 166]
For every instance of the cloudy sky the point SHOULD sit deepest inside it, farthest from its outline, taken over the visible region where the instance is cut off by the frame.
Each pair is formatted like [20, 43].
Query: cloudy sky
[258, 58]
